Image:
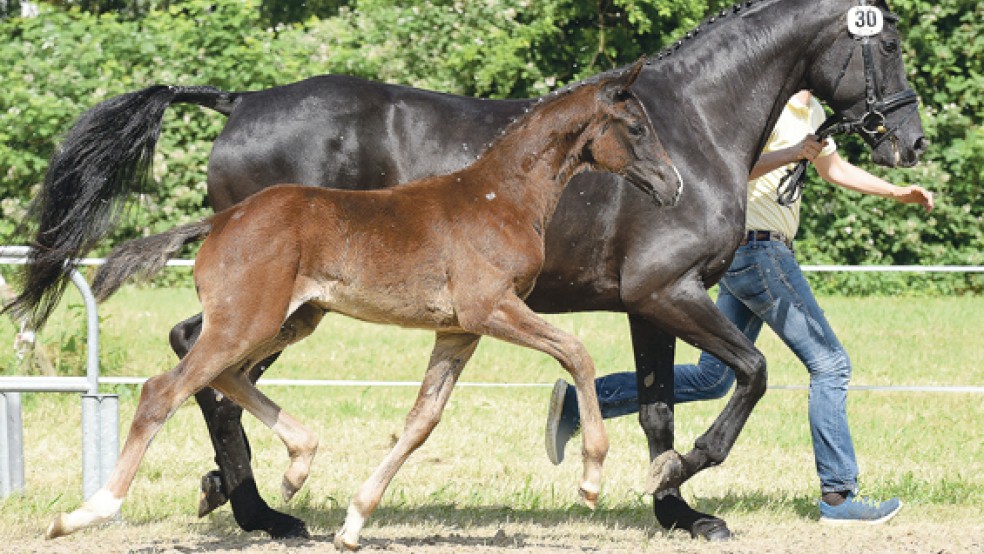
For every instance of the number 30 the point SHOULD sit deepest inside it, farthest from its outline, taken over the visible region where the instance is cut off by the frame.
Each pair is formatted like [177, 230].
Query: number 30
[864, 21]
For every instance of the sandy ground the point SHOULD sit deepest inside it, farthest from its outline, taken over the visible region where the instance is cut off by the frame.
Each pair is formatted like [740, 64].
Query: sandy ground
[903, 535]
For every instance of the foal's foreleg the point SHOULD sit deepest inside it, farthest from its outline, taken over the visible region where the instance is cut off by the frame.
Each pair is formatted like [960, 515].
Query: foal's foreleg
[451, 352]
[513, 321]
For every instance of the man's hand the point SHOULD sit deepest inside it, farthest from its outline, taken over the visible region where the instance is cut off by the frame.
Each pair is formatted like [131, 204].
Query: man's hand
[914, 194]
[808, 148]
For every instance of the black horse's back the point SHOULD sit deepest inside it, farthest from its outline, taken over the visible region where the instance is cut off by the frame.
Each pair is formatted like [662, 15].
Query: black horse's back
[346, 132]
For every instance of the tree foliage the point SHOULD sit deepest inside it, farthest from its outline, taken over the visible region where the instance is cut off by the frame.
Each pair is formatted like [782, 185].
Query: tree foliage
[79, 52]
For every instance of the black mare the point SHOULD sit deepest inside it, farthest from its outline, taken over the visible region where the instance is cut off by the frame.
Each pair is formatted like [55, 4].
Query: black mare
[715, 97]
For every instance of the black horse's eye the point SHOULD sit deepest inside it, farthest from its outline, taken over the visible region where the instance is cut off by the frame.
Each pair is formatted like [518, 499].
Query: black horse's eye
[890, 46]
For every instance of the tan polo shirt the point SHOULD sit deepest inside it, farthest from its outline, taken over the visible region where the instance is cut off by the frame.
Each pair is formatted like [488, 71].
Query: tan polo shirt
[764, 211]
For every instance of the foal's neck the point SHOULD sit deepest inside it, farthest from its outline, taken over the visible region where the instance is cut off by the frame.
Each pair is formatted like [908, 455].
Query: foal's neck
[539, 154]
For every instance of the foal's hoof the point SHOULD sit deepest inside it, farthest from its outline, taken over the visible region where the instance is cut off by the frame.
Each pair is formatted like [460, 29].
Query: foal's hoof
[711, 529]
[57, 527]
[212, 496]
[590, 498]
[666, 472]
[343, 545]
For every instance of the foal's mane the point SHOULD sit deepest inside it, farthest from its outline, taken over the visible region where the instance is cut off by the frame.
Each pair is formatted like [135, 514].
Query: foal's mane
[544, 103]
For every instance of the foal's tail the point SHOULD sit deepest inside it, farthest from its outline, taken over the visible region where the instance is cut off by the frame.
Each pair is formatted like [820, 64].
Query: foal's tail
[104, 158]
[144, 256]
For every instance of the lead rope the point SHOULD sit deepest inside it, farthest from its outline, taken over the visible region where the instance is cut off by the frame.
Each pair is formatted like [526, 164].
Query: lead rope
[790, 187]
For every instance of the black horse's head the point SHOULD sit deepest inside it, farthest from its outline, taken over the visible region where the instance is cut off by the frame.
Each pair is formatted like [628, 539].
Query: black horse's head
[862, 77]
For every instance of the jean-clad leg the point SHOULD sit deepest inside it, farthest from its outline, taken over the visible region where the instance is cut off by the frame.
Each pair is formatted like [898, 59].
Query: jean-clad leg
[708, 379]
[765, 284]
[767, 279]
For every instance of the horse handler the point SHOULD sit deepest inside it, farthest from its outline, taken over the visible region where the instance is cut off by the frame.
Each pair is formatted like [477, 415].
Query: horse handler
[765, 284]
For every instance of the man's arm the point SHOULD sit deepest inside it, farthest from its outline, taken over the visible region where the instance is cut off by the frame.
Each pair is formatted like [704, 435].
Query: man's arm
[806, 149]
[835, 169]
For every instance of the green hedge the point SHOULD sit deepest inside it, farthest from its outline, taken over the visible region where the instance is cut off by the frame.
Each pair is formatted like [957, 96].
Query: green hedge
[58, 65]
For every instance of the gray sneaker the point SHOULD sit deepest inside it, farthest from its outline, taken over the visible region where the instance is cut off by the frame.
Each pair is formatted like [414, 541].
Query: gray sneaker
[560, 426]
[859, 509]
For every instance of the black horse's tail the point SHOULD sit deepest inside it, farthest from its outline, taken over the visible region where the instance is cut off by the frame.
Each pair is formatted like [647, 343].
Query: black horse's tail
[144, 256]
[104, 158]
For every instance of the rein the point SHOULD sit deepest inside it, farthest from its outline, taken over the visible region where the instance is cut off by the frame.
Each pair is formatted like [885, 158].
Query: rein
[871, 123]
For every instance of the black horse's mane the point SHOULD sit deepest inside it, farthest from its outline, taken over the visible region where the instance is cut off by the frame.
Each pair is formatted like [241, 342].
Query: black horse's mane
[571, 87]
[666, 52]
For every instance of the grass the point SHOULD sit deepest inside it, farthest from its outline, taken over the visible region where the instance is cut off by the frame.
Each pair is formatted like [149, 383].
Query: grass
[485, 465]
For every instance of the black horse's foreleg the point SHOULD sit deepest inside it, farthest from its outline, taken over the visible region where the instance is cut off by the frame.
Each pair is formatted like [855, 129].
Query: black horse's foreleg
[233, 481]
[654, 356]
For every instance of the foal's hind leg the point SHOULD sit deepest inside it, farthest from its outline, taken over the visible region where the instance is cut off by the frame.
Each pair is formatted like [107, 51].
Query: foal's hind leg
[654, 353]
[301, 443]
[451, 352]
[513, 321]
[159, 398]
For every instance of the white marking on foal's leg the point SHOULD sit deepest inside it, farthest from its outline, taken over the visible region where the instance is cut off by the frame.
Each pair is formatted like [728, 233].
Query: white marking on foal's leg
[100, 508]
[348, 537]
[589, 494]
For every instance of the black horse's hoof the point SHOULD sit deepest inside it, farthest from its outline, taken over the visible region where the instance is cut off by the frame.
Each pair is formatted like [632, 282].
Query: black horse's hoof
[288, 527]
[665, 472]
[212, 496]
[673, 512]
[711, 529]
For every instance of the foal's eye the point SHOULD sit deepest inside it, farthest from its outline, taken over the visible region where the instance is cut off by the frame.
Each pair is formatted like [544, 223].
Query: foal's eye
[637, 130]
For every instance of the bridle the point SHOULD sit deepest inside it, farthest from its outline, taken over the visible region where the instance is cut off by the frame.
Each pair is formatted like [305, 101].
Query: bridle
[871, 123]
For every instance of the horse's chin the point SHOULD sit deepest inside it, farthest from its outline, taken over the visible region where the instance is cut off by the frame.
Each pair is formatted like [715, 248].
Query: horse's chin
[671, 196]
[888, 154]
[898, 151]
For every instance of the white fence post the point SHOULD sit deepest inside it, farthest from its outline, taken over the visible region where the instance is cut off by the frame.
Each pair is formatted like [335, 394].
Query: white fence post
[100, 440]
[11, 445]
[100, 412]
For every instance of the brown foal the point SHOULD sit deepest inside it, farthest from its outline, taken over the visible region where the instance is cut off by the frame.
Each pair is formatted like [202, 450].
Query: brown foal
[456, 253]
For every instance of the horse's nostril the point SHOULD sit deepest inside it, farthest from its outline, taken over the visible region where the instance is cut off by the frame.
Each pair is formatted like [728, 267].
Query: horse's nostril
[921, 145]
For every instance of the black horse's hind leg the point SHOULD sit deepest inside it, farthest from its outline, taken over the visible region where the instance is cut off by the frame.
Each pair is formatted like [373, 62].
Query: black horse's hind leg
[654, 353]
[234, 480]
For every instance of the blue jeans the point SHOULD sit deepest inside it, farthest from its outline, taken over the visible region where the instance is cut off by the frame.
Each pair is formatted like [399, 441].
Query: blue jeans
[765, 284]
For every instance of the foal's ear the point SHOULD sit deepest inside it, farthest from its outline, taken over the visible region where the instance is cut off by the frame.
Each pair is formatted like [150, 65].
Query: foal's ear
[633, 72]
[618, 87]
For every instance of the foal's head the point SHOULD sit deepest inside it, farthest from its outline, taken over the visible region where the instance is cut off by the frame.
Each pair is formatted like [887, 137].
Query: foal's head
[621, 139]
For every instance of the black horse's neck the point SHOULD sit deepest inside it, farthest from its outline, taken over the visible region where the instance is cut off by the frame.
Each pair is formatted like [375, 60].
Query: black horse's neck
[754, 57]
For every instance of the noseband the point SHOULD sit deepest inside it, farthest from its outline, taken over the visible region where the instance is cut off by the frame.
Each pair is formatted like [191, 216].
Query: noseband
[871, 123]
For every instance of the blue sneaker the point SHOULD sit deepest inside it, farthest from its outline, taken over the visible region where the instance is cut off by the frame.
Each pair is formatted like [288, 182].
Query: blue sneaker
[859, 509]
[560, 426]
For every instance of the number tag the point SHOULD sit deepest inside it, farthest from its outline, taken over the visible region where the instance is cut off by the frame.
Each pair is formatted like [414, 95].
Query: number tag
[864, 21]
